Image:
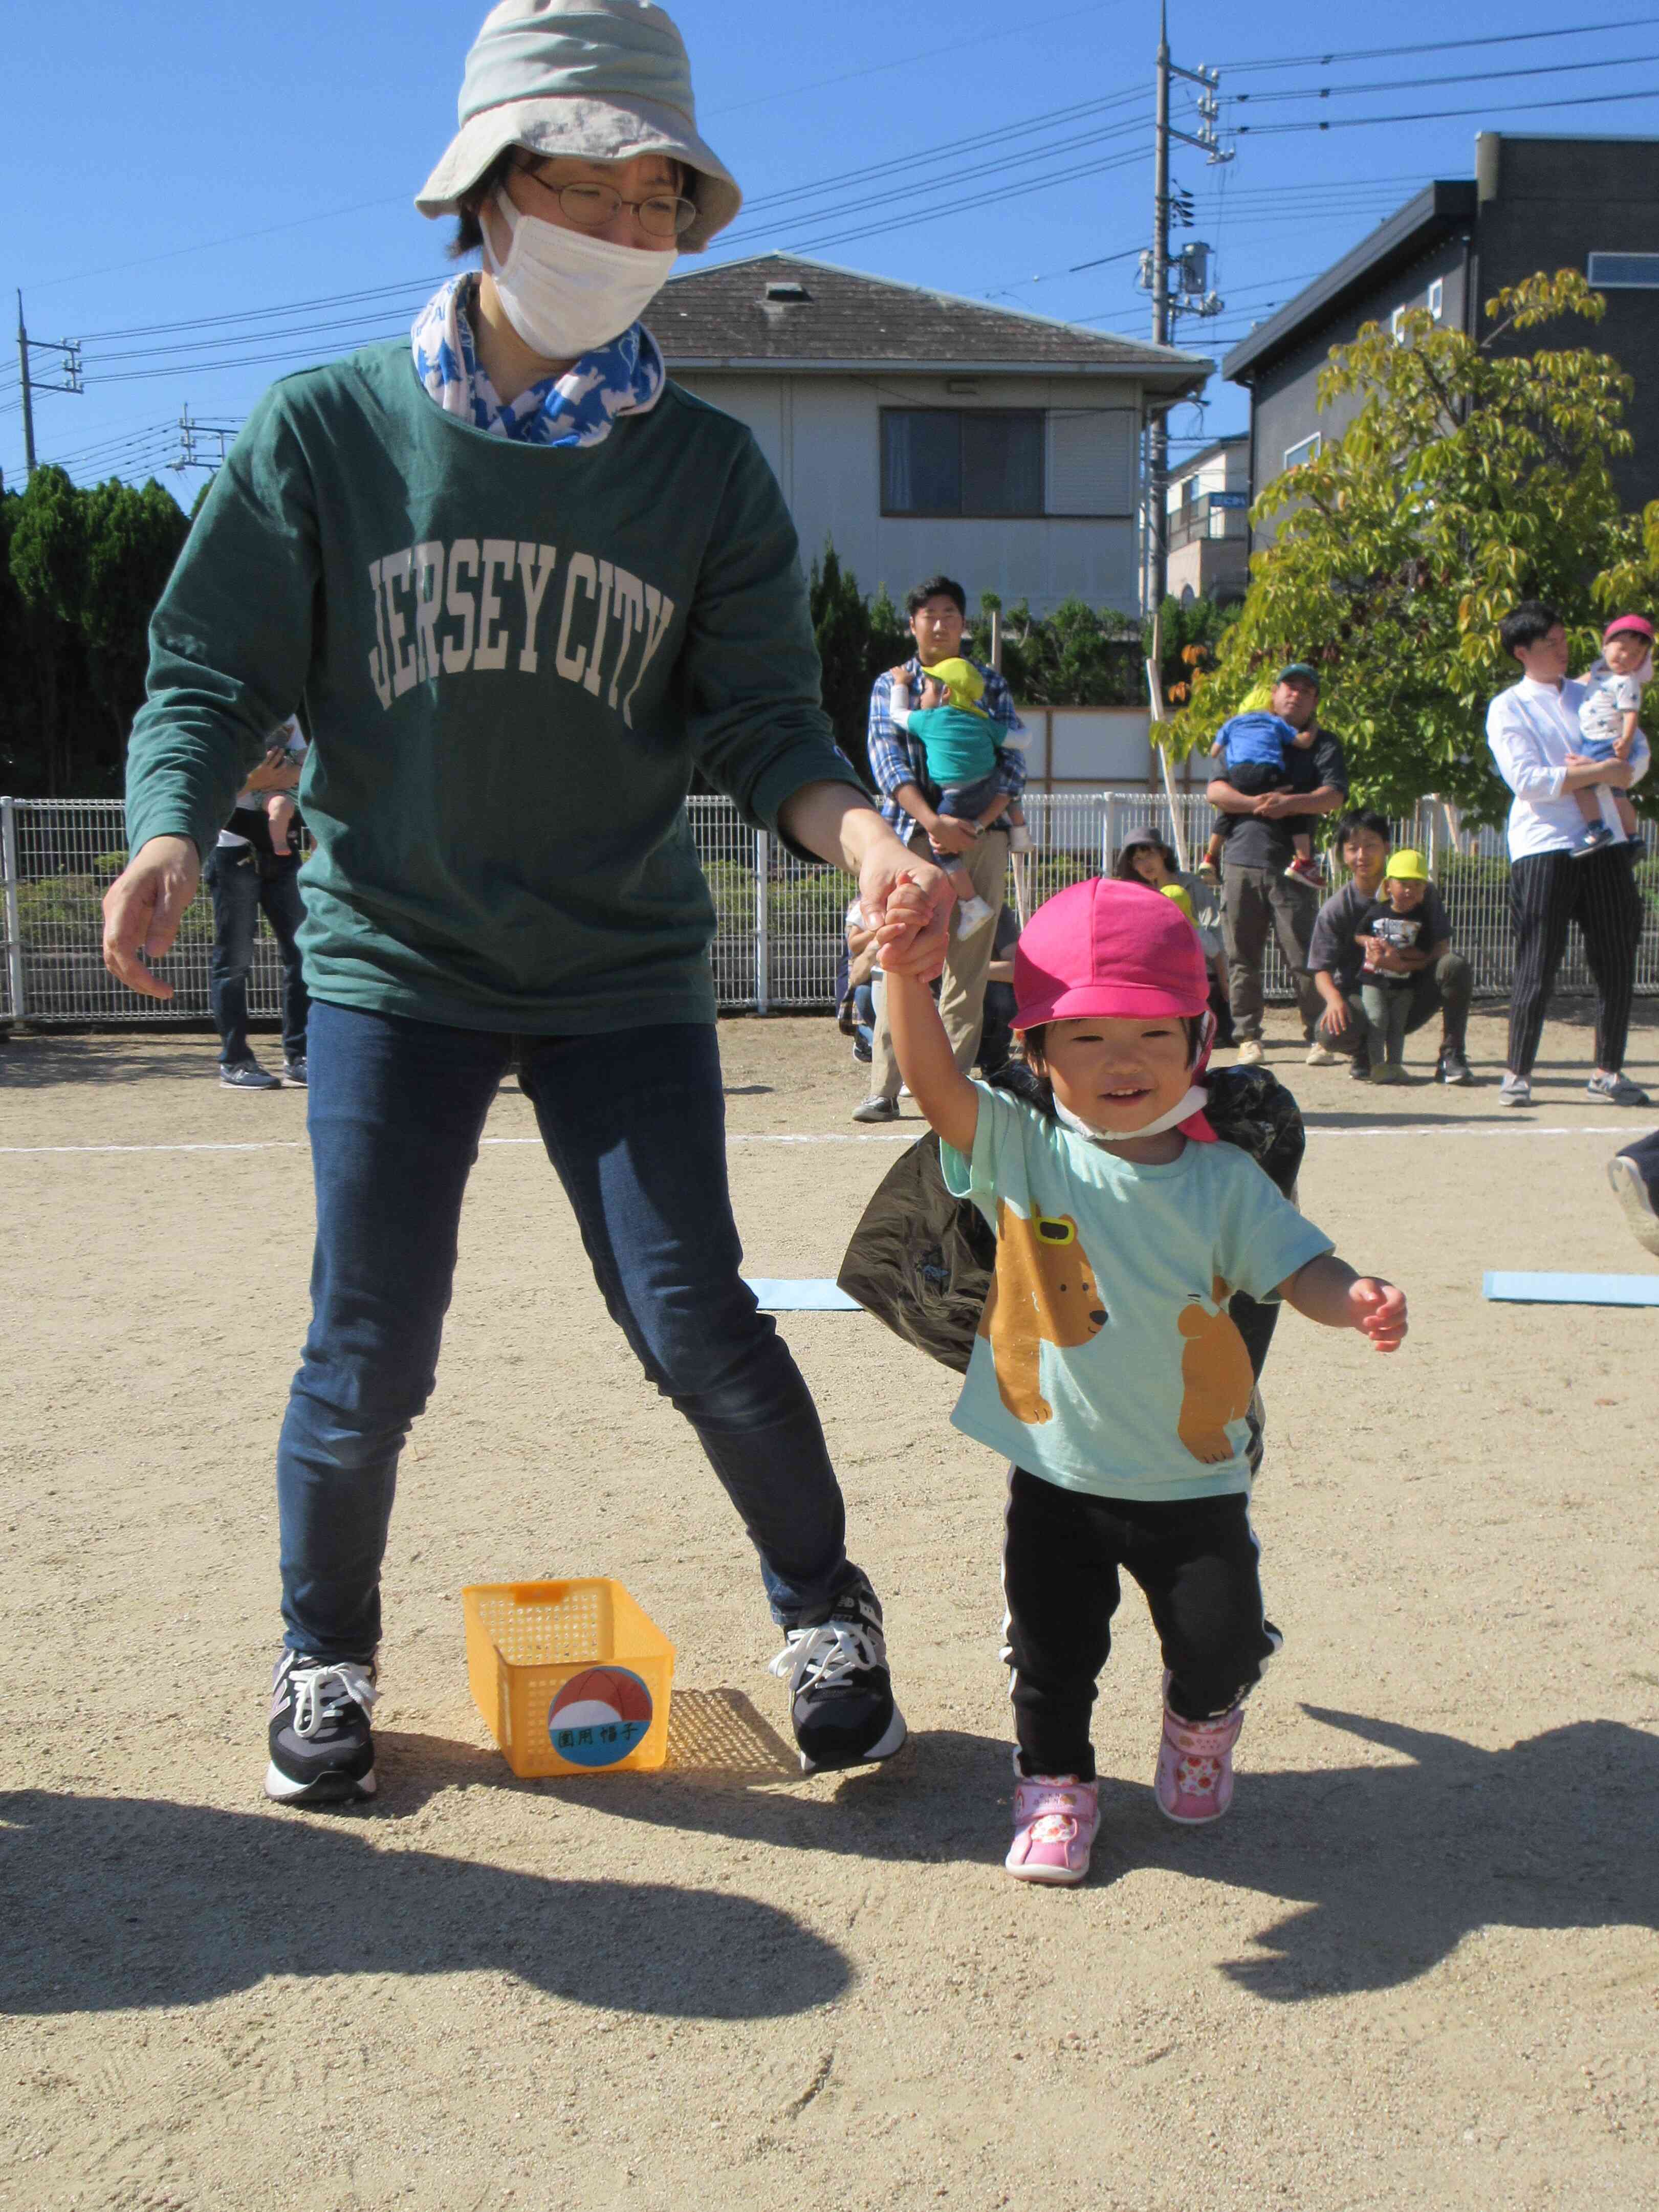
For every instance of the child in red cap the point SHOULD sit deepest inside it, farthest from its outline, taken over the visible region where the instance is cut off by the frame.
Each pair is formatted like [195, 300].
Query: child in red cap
[1106, 1365]
[1607, 719]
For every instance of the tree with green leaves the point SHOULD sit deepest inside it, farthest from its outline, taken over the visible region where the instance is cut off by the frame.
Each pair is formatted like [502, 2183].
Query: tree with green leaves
[82, 572]
[855, 640]
[1474, 475]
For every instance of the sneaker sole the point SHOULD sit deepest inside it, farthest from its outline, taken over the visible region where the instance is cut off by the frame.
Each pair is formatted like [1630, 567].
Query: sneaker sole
[1191, 1819]
[1632, 1192]
[892, 1740]
[327, 1789]
[1047, 1877]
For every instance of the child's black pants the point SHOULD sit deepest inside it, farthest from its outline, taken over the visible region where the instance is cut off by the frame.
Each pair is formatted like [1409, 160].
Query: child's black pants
[1195, 1559]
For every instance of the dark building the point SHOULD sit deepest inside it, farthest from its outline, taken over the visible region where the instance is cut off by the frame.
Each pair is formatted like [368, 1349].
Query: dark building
[1534, 203]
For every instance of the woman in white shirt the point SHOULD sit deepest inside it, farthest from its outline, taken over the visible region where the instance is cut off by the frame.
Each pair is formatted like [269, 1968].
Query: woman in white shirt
[1533, 731]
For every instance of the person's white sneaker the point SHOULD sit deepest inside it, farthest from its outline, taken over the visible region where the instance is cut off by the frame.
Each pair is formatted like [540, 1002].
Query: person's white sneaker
[1250, 1054]
[1321, 1055]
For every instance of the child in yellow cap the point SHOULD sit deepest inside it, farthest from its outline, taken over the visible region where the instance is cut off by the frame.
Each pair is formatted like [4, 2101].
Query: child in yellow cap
[959, 740]
[1394, 918]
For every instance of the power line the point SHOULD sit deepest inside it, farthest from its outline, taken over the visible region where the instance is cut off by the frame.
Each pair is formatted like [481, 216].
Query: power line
[1437, 45]
[1415, 83]
[885, 199]
[251, 314]
[977, 141]
[1447, 114]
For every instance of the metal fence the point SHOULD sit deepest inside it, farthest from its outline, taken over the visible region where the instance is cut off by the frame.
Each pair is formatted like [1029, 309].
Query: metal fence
[779, 918]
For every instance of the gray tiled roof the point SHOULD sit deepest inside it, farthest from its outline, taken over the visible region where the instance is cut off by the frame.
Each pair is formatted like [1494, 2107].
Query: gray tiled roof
[722, 315]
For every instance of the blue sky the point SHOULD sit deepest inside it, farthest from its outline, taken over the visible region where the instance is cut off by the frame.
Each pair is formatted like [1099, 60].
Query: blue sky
[184, 166]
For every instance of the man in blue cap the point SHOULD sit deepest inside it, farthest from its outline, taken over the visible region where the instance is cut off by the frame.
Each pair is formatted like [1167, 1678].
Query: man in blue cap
[1255, 892]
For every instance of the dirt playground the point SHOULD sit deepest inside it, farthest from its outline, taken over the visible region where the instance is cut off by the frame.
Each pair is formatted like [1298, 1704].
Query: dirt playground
[1415, 1967]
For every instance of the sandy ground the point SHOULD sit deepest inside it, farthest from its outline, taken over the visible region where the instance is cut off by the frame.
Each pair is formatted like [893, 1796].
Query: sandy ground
[1416, 1966]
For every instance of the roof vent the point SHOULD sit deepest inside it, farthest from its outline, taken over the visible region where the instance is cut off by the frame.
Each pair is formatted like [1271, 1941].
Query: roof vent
[787, 292]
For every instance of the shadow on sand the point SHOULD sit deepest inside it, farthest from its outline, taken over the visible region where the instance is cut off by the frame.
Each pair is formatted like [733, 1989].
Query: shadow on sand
[118, 1902]
[1386, 1867]
[1372, 1873]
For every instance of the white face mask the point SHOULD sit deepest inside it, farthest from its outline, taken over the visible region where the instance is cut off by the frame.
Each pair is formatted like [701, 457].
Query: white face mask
[565, 293]
[1196, 1099]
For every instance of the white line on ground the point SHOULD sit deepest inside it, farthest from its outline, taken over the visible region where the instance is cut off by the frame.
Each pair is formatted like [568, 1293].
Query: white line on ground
[909, 1136]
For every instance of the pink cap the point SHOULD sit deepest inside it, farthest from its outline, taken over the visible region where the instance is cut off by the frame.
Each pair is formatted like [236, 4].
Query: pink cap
[1638, 624]
[1109, 948]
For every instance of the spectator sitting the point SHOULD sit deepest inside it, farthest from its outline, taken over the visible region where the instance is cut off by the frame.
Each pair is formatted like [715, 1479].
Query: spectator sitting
[1440, 979]
[959, 740]
[1145, 857]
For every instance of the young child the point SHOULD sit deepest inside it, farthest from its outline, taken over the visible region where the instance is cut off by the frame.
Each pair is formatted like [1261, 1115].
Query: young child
[1394, 917]
[1106, 1365]
[1249, 753]
[1608, 719]
[961, 743]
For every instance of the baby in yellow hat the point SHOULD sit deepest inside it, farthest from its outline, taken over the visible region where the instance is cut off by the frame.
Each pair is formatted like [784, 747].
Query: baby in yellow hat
[1395, 918]
[959, 741]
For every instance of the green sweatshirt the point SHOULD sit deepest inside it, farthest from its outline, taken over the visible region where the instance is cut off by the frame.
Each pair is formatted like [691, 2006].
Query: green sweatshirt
[510, 657]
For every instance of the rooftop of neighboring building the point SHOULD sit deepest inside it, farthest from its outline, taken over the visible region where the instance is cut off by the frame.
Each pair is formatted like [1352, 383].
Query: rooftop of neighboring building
[777, 310]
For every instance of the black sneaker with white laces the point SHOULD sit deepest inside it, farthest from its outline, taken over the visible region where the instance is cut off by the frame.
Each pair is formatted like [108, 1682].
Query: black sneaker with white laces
[322, 1748]
[841, 1694]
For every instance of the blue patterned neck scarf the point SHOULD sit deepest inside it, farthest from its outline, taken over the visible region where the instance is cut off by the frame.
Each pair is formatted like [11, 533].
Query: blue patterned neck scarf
[577, 409]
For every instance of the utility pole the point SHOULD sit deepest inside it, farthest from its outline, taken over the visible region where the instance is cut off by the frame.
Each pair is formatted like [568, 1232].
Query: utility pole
[69, 368]
[188, 456]
[1193, 269]
[28, 399]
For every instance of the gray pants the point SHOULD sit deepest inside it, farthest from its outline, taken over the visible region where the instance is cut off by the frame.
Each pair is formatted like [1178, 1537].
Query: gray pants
[1386, 1010]
[1446, 989]
[962, 988]
[1253, 900]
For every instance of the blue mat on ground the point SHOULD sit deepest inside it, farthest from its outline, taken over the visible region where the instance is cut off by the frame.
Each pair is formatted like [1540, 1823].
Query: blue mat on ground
[816, 1294]
[1573, 1290]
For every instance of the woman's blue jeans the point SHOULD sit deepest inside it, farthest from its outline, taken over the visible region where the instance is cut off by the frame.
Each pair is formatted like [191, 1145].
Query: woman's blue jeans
[634, 1124]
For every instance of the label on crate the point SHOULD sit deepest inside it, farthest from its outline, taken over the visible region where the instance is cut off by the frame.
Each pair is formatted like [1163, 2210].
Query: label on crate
[599, 1717]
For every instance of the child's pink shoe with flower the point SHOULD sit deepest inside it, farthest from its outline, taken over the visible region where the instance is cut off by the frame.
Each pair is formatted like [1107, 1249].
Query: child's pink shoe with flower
[1195, 1766]
[1056, 1817]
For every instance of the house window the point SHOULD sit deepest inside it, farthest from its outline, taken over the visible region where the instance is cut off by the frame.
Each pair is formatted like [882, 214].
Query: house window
[945, 460]
[1308, 450]
[1437, 297]
[1397, 323]
[1625, 272]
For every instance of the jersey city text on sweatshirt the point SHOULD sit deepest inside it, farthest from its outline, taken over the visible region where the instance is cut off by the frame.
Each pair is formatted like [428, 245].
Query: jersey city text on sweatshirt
[442, 610]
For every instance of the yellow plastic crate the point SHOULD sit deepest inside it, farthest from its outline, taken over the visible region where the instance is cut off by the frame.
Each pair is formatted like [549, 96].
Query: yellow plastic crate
[571, 1678]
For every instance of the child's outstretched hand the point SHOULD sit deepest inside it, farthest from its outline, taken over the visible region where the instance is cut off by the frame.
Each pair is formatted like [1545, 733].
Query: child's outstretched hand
[1378, 1309]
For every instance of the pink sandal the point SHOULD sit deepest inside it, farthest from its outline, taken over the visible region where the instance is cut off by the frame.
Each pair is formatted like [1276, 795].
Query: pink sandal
[1195, 1766]
[1056, 1817]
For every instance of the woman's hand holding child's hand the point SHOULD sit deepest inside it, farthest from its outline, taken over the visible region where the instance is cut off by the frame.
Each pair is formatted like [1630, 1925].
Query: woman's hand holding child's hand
[1379, 1311]
[905, 933]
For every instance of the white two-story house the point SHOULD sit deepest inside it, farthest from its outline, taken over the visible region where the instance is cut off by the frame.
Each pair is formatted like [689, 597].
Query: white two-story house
[919, 431]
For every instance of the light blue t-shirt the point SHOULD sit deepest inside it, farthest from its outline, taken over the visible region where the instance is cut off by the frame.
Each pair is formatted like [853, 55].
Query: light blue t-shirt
[1106, 1360]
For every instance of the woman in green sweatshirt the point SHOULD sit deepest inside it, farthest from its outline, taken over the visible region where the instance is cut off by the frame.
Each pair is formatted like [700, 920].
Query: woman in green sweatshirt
[523, 587]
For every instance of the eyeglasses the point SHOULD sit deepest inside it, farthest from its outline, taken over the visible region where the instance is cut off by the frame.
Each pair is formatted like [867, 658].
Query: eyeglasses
[589, 207]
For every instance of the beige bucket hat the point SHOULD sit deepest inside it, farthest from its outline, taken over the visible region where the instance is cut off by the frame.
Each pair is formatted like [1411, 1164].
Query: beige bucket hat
[606, 79]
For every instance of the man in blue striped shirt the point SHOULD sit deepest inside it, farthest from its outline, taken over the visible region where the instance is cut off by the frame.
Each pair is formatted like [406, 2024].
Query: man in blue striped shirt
[938, 612]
